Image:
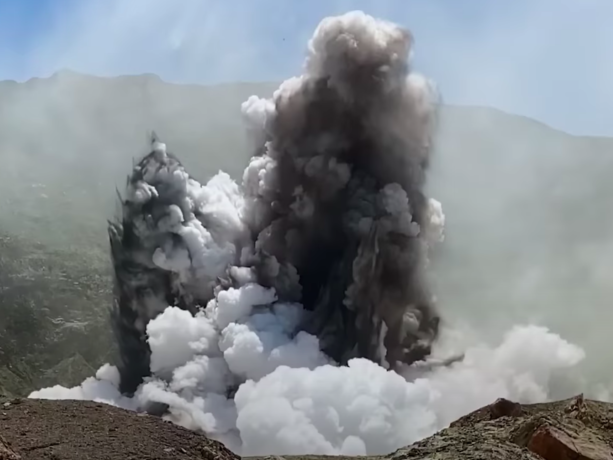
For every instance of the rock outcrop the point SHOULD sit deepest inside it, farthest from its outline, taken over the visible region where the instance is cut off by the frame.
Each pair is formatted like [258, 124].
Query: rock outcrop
[574, 429]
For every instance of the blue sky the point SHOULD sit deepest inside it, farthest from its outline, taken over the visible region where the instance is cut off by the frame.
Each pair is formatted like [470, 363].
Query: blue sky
[548, 59]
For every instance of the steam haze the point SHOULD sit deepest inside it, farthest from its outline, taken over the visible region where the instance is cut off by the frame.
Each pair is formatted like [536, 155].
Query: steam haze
[527, 206]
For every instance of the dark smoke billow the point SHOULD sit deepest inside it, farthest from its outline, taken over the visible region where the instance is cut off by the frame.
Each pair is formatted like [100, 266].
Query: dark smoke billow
[333, 211]
[332, 215]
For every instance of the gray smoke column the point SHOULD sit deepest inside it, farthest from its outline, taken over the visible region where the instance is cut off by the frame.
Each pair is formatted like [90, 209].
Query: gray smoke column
[331, 213]
[338, 192]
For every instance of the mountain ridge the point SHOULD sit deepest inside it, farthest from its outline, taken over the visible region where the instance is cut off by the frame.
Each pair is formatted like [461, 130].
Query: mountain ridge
[152, 77]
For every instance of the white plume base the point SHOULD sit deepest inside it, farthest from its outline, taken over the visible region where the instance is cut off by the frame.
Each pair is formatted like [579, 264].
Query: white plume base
[292, 402]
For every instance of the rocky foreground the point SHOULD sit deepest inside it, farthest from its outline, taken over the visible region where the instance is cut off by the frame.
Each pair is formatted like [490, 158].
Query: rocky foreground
[576, 429]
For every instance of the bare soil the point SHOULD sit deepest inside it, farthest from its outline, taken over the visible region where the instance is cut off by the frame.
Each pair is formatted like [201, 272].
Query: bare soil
[80, 430]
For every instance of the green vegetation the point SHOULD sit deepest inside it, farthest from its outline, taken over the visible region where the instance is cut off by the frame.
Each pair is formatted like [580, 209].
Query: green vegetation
[53, 327]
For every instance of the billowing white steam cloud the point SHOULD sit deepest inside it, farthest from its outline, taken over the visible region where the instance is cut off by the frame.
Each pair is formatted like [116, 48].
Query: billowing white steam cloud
[356, 409]
[329, 223]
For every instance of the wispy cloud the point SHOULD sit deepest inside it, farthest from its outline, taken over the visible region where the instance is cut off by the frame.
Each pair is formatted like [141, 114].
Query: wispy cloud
[549, 59]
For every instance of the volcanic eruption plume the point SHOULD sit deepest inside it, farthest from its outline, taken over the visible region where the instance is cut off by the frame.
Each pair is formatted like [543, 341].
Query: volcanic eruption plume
[281, 314]
[330, 214]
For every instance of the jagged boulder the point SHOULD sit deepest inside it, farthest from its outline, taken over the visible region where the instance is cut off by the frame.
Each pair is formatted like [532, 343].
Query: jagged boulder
[575, 429]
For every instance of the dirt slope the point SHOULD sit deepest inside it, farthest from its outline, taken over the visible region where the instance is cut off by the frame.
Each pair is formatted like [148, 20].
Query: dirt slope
[574, 429]
[79, 430]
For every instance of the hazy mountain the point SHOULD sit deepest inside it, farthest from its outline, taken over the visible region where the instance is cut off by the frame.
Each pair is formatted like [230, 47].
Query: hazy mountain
[528, 207]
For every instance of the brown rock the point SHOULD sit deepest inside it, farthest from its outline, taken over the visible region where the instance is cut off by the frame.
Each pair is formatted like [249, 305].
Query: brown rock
[576, 407]
[505, 408]
[553, 443]
[6, 453]
[576, 428]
